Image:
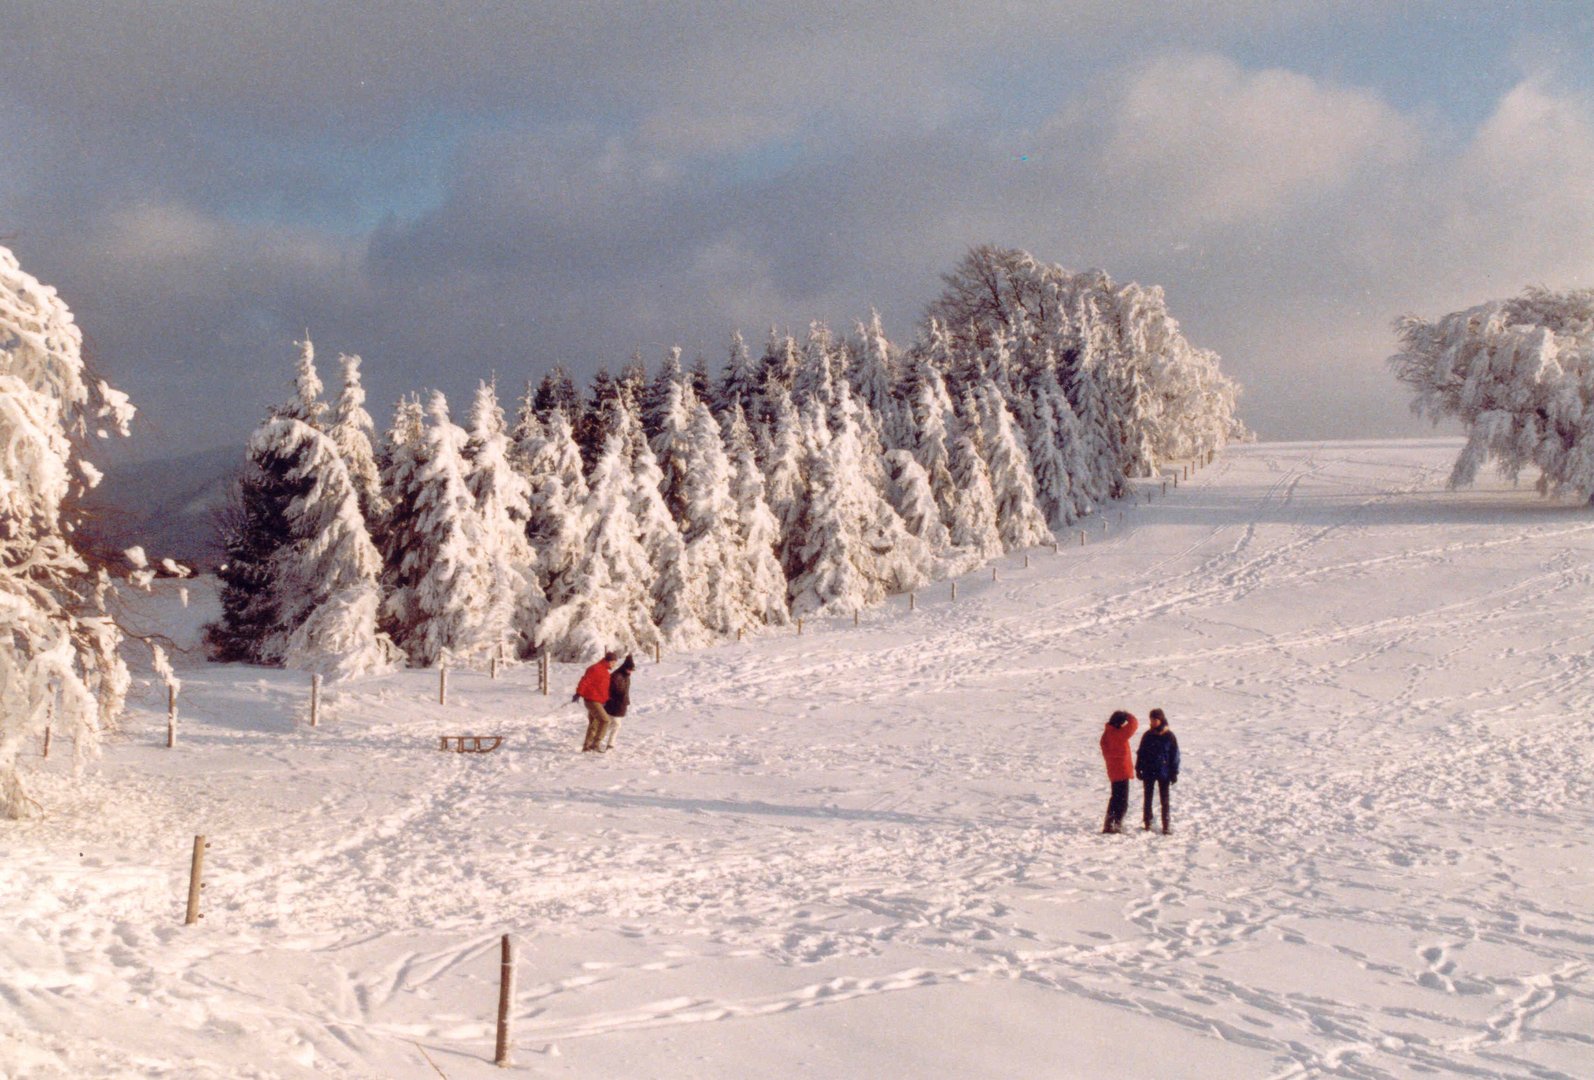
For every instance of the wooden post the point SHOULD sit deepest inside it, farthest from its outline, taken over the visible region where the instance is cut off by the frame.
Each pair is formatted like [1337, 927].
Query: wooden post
[506, 1001]
[855, 616]
[1081, 537]
[1104, 523]
[799, 625]
[171, 715]
[738, 633]
[1054, 547]
[442, 686]
[913, 601]
[492, 667]
[1165, 487]
[993, 573]
[658, 652]
[47, 740]
[315, 699]
[195, 882]
[954, 590]
[542, 671]
[1026, 560]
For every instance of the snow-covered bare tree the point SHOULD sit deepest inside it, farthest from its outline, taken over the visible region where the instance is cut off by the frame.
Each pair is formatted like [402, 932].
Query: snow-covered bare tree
[58, 646]
[1519, 374]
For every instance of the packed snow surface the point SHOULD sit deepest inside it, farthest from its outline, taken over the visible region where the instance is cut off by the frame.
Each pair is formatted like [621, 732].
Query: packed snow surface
[875, 851]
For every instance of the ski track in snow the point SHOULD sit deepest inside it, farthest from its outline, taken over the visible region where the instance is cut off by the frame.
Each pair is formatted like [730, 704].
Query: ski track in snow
[1380, 864]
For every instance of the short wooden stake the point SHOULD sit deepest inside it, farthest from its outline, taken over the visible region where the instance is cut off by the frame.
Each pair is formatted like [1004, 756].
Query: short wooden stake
[492, 668]
[1165, 487]
[442, 686]
[738, 633]
[658, 652]
[171, 716]
[954, 590]
[506, 1001]
[913, 601]
[315, 699]
[799, 624]
[1054, 547]
[195, 882]
[855, 616]
[542, 673]
[1081, 537]
[47, 741]
[993, 573]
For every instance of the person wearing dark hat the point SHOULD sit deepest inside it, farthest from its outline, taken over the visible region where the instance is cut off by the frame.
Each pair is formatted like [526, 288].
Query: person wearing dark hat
[619, 700]
[1120, 766]
[593, 689]
[1157, 764]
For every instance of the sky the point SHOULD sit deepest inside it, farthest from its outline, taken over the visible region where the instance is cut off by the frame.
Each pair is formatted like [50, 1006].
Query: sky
[456, 190]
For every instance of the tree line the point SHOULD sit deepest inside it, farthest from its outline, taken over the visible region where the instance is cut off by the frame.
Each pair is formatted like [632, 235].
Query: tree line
[814, 476]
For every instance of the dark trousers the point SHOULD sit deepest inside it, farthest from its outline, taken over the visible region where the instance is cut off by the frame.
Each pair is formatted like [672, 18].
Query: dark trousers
[1117, 806]
[1161, 787]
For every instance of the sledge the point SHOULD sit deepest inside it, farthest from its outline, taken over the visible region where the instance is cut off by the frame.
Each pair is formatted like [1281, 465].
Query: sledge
[470, 744]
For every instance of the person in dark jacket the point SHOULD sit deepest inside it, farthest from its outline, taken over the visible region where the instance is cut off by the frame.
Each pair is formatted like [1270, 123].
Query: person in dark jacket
[1157, 764]
[619, 700]
[593, 691]
[1120, 766]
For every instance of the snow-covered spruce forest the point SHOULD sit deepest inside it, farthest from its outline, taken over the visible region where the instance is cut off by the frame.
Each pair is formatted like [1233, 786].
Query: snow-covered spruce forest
[679, 507]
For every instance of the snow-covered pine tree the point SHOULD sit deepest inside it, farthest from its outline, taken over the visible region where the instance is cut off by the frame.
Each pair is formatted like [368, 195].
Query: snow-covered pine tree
[1018, 519]
[1519, 373]
[709, 528]
[528, 433]
[852, 548]
[555, 527]
[402, 452]
[1048, 454]
[327, 577]
[443, 614]
[911, 496]
[557, 392]
[777, 375]
[739, 385]
[670, 439]
[785, 472]
[764, 582]
[874, 382]
[307, 404]
[657, 530]
[606, 605]
[971, 518]
[503, 501]
[253, 627]
[816, 376]
[354, 432]
[929, 408]
[662, 389]
[58, 647]
[589, 425]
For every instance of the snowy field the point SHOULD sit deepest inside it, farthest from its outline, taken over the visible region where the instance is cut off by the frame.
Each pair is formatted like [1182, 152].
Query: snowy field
[875, 851]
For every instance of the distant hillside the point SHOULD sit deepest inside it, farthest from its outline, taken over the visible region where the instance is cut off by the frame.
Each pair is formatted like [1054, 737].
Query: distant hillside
[168, 506]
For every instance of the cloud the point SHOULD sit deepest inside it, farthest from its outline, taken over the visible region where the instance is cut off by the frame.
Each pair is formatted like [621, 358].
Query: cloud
[455, 188]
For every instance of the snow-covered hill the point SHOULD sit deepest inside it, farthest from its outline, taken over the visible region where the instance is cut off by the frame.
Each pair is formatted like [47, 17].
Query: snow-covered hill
[875, 851]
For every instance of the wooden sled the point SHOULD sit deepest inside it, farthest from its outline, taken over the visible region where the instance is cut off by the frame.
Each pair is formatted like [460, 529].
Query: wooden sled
[470, 744]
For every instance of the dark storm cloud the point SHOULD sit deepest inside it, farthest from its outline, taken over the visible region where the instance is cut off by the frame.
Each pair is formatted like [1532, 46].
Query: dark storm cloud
[453, 189]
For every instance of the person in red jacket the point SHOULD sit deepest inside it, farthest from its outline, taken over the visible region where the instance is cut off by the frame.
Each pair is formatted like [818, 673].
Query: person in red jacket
[593, 689]
[1120, 766]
